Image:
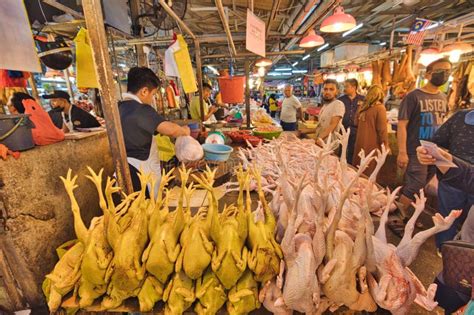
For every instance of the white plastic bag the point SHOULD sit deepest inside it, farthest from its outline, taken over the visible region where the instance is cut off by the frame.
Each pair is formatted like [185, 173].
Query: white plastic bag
[188, 149]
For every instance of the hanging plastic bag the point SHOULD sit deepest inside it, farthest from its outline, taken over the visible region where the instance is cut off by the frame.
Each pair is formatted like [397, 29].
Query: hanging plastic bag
[188, 149]
[185, 67]
[165, 148]
[86, 76]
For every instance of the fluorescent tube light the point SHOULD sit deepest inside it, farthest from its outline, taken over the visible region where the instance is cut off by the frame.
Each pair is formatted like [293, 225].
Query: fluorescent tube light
[355, 28]
[283, 69]
[295, 63]
[323, 47]
[306, 57]
[300, 71]
[383, 43]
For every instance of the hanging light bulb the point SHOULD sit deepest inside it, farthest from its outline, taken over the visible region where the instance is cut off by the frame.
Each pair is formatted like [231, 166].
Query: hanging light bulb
[455, 50]
[311, 40]
[429, 55]
[263, 62]
[340, 77]
[261, 71]
[338, 22]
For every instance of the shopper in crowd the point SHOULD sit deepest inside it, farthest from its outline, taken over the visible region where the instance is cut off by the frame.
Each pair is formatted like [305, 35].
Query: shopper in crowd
[352, 101]
[68, 116]
[195, 107]
[44, 131]
[331, 113]
[421, 113]
[273, 105]
[456, 135]
[461, 178]
[290, 109]
[371, 123]
[140, 123]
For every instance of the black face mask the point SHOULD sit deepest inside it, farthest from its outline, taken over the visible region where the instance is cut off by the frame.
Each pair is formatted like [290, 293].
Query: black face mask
[439, 78]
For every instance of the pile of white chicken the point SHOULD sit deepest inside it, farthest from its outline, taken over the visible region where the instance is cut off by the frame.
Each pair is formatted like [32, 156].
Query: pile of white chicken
[332, 255]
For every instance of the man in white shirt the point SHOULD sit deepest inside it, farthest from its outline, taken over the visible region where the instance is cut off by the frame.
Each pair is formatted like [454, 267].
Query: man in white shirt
[332, 111]
[289, 109]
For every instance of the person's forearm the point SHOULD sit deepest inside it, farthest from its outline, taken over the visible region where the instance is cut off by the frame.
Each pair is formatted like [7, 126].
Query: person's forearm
[301, 113]
[402, 139]
[326, 132]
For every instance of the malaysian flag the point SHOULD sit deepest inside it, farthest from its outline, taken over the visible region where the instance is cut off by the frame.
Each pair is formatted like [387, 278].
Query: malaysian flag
[417, 31]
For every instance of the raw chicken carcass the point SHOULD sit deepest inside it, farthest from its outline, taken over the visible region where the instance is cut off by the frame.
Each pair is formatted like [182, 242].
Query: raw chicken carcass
[394, 286]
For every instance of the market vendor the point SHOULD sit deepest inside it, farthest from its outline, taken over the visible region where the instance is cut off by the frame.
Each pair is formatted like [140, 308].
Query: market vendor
[67, 116]
[141, 122]
[290, 107]
[331, 113]
[195, 106]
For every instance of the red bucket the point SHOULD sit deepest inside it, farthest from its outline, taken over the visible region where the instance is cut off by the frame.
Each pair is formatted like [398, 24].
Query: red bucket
[232, 89]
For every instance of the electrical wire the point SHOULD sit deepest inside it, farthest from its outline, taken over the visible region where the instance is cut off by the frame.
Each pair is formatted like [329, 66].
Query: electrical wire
[42, 12]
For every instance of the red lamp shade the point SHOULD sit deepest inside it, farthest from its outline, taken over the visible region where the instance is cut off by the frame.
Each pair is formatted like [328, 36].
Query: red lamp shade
[338, 22]
[462, 47]
[311, 40]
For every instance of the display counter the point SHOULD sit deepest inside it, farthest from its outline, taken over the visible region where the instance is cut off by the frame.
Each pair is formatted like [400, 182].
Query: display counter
[35, 212]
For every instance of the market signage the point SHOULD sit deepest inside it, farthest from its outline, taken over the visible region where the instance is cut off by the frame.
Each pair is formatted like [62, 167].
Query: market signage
[18, 48]
[255, 35]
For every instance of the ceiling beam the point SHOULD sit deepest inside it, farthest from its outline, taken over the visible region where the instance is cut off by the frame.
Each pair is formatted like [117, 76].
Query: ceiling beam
[246, 54]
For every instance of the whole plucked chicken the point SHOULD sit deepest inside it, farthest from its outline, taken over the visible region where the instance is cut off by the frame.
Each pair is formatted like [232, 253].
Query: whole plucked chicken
[243, 297]
[64, 277]
[179, 294]
[394, 286]
[265, 253]
[229, 232]
[196, 246]
[345, 257]
[127, 235]
[164, 248]
[301, 288]
[210, 294]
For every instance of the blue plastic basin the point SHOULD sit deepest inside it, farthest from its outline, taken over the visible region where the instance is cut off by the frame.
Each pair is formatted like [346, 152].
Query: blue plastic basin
[216, 152]
[193, 126]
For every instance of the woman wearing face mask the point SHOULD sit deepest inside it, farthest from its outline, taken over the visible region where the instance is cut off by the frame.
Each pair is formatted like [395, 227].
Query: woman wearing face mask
[421, 113]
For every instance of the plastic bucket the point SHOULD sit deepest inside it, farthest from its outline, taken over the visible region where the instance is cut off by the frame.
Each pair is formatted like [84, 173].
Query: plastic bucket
[232, 89]
[15, 132]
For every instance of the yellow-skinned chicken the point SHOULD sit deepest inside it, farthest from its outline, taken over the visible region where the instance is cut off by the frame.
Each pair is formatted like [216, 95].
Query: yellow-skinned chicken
[196, 246]
[126, 271]
[265, 253]
[179, 294]
[210, 294]
[150, 293]
[243, 297]
[229, 232]
[164, 248]
[97, 252]
[64, 277]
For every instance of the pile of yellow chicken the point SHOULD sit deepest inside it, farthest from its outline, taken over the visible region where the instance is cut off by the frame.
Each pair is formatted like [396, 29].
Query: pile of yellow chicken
[139, 248]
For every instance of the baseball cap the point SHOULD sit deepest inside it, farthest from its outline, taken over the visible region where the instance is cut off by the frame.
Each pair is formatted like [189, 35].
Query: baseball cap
[58, 94]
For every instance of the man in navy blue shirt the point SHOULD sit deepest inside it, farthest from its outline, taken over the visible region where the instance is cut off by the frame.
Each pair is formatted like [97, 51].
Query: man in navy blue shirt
[351, 101]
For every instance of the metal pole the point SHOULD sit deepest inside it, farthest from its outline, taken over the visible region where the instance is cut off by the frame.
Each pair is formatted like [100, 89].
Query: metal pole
[100, 53]
[176, 18]
[68, 83]
[197, 49]
[247, 92]
[135, 12]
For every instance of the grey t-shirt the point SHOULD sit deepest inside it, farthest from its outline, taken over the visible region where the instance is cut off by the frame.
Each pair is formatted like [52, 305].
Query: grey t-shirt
[425, 113]
[289, 108]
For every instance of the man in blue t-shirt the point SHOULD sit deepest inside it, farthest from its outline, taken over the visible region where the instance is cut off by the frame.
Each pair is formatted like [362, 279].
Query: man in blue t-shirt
[422, 112]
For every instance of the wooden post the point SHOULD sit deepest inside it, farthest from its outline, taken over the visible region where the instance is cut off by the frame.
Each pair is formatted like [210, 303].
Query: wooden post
[135, 12]
[197, 51]
[100, 53]
[34, 88]
[247, 92]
